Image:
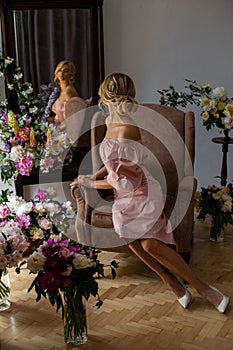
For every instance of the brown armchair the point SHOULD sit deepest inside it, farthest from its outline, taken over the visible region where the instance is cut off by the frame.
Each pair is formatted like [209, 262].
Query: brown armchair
[168, 135]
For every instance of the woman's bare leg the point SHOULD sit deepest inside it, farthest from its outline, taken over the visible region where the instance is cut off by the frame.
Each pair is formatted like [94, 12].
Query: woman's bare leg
[170, 259]
[169, 279]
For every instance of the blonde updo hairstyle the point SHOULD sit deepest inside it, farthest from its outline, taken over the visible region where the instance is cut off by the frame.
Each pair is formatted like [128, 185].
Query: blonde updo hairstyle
[119, 89]
[71, 68]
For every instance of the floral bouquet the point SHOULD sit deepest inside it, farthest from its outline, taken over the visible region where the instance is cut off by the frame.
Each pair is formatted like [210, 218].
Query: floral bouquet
[39, 218]
[65, 274]
[25, 136]
[22, 135]
[216, 202]
[22, 141]
[13, 244]
[217, 107]
[57, 149]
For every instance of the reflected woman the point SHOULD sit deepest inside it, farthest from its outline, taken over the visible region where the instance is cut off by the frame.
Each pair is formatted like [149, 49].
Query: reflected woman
[64, 76]
[68, 104]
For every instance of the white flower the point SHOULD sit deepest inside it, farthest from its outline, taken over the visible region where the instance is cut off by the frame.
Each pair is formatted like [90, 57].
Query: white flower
[52, 192]
[19, 205]
[81, 261]
[52, 208]
[44, 223]
[17, 152]
[18, 76]
[207, 103]
[68, 206]
[227, 206]
[33, 110]
[219, 93]
[10, 86]
[8, 60]
[226, 198]
[39, 208]
[37, 233]
[35, 262]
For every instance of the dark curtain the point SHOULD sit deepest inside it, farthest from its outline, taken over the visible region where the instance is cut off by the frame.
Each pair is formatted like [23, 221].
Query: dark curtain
[45, 37]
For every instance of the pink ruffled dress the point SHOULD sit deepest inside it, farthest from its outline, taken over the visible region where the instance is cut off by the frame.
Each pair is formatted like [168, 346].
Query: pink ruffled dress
[138, 199]
[59, 109]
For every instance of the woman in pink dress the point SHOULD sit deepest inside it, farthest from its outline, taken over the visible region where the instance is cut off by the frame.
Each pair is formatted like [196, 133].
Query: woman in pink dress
[64, 75]
[137, 211]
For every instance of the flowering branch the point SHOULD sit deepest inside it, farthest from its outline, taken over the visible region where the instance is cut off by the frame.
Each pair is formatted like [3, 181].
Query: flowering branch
[217, 107]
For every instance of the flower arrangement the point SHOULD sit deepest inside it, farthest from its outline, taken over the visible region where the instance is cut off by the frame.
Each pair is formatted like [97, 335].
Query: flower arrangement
[39, 218]
[57, 149]
[217, 107]
[65, 274]
[216, 202]
[13, 244]
[24, 132]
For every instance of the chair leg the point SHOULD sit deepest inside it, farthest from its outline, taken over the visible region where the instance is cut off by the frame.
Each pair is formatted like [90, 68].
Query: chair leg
[186, 256]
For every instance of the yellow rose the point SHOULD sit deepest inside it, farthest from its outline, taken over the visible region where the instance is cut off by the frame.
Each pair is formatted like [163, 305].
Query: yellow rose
[213, 110]
[221, 105]
[229, 110]
[205, 115]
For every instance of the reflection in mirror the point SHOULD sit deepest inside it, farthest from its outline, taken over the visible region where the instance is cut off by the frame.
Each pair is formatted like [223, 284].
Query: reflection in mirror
[45, 37]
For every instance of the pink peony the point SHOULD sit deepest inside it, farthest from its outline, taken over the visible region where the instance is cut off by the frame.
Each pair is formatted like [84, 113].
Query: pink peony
[4, 211]
[24, 166]
[23, 221]
[48, 163]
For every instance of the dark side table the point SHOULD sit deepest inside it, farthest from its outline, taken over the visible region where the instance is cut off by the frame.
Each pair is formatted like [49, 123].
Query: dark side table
[224, 141]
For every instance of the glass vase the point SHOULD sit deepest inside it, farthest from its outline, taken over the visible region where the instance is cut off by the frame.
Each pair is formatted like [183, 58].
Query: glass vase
[75, 318]
[5, 286]
[217, 238]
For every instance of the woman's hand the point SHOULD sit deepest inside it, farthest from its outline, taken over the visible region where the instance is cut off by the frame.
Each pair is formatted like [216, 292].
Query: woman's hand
[85, 180]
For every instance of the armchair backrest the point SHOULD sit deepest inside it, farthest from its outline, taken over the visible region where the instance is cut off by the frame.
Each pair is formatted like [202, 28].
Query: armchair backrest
[168, 135]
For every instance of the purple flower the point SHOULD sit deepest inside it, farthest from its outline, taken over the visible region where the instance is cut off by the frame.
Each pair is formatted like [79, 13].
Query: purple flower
[48, 163]
[50, 281]
[24, 166]
[14, 141]
[23, 221]
[42, 195]
[4, 211]
[5, 148]
[3, 223]
[75, 249]
[28, 120]
[65, 243]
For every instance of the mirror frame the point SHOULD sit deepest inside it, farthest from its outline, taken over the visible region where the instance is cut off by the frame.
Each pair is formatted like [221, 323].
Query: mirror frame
[8, 36]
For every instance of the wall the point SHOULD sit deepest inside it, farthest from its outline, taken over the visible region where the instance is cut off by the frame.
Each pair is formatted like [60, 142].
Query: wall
[162, 42]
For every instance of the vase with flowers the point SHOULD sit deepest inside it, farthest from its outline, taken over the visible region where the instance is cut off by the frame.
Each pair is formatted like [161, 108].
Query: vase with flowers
[217, 203]
[13, 244]
[65, 274]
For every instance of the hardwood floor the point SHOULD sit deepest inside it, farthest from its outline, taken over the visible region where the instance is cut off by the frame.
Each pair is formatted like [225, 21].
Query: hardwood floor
[139, 312]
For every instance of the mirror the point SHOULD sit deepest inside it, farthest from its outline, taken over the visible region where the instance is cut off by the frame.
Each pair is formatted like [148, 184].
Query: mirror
[45, 37]
[39, 34]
